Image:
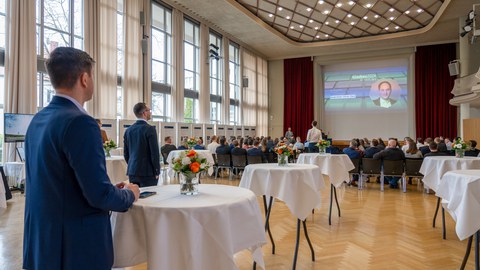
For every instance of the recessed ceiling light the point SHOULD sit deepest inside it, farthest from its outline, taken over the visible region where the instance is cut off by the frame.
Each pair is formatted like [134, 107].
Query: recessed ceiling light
[309, 9]
[317, 36]
[310, 21]
[351, 3]
[365, 17]
[407, 12]
[368, 5]
[326, 35]
[337, 21]
[352, 23]
[391, 9]
[316, 27]
[326, 12]
[291, 27]
[349, 15]
[397, 27]
[280, 8]
[391, 18]
[288, 17]
[270, 15]
[321, 2]
[339, 5]
[327, 23]
[376, 16]
[419, 10]
[386, 28]
[301, 26]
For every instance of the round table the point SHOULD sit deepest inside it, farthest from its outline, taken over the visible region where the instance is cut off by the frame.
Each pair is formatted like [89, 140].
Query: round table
[173, 231]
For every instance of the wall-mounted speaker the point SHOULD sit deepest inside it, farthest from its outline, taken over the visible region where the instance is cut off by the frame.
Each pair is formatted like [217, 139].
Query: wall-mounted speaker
[144, 45]
[454, 68]
[245, 82]
[142, 18]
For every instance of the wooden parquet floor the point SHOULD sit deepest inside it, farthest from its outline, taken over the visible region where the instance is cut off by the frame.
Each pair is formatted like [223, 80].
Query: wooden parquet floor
[377, 230]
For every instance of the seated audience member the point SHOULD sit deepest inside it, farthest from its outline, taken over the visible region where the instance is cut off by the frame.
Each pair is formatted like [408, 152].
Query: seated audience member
[167, 148]
[298, 144]
[223, 148]
[199, 145]
[441, 146]
[419, 142]
[373, 149]
[367, 143]
[425, 149]
[184, 145]
[434, 151]
[406, 141]
[255, 150]
[412, 150]
[391, 152]
[213, 144]
[237, 150]
[448, 143]
[360, 145]
[263, 145]
[381, 144]
[352, 152]
[473, 151]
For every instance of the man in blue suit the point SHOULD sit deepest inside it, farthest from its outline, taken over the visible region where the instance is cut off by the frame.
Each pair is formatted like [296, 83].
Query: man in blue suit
[68, 192]
[140, 149]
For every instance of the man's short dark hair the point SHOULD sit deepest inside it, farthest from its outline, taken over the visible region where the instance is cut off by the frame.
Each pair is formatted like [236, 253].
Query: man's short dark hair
[433, 146]
[473, 143]
[374, 142]
[382, 82]
[167, 138]
[314, 123]
[139, 109]
[222, 140]
[66, 64]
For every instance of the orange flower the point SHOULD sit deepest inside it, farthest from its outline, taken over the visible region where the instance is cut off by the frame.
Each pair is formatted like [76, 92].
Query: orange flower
[191, 153]
[195, 167]
[280, 151]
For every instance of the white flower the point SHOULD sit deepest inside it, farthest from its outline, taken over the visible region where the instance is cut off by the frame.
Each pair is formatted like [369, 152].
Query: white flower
[186, 161]
[203, 165]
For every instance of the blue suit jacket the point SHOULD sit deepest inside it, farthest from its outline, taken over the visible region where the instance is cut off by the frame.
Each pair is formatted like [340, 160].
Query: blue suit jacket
[68, 194]
[141, 150]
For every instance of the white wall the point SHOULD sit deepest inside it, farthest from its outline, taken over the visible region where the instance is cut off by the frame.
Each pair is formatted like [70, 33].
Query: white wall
[275, 98]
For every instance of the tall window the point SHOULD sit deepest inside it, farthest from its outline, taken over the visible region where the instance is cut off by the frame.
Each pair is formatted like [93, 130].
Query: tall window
[161, 62]
[191, 53]
[59, 23]
[234, 77]
[216, 79]
[120, 58]
[2, 70]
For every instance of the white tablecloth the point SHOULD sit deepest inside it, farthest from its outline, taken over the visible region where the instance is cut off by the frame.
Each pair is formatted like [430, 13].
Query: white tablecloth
[173, 231]
[3, 199]
[298, 185]
[16, 172]
[116, 169]
[202, 153]
[433, 168]
[335, 166]
[460, 191]
[117, 151]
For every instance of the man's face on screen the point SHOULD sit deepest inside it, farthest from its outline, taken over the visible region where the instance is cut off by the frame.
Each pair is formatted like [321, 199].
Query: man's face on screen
[385, 90]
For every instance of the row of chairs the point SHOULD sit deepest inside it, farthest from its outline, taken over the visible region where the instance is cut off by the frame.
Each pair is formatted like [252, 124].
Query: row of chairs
[234, 163]
[409, 167]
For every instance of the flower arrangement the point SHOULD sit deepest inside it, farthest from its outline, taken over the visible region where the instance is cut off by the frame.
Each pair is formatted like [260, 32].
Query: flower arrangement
[109, 145]
[283, 151]
[191, 142]
[188, 164]
[459, 144]
[323, 143]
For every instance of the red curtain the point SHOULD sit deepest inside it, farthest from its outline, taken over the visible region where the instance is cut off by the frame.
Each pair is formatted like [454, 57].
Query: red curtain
[434, 116]
[298, 98]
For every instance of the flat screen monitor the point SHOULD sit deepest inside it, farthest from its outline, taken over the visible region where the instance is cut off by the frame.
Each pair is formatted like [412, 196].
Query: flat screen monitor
[16, 126]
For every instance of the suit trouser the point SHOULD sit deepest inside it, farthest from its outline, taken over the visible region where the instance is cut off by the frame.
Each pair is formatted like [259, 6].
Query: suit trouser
[143, 181]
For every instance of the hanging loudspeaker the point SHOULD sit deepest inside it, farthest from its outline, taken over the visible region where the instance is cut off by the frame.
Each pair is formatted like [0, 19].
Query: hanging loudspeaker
[454, 68]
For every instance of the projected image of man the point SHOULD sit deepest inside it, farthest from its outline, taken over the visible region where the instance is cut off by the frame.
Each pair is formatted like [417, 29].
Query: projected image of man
[385, 90]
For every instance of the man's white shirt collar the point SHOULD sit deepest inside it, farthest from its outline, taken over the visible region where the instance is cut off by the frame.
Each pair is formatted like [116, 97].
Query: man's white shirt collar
[141, 119]
[385, 103]
[74, 101]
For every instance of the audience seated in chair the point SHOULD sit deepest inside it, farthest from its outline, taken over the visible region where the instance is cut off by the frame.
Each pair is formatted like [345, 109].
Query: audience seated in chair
[391, 152]
[213, 144]
[473, 151]
[353, 153]
[167, 148]
[425, 149]
[434, 151]
[183, 146]
[372, 150]
[256, 151]
[199, 145]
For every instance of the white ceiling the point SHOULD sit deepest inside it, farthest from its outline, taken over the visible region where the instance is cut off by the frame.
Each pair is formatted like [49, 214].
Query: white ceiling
[229, 16]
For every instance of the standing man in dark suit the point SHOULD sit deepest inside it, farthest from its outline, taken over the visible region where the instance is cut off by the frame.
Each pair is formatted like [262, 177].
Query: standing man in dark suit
[141, 150]
[69, 194]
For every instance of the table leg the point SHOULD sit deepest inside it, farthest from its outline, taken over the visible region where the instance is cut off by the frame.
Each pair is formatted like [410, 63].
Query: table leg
[436, 211]
[336, 200]
[477, 238]
[296, 246]
[268, 210]
[444, 229]
[330, 209]
[308, 240]
[467, 253]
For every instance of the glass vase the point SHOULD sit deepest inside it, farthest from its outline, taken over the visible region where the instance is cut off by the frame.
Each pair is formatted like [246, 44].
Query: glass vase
[188, 184]
[282, 160]
[321, 149]
[459, 153]
[107, 152]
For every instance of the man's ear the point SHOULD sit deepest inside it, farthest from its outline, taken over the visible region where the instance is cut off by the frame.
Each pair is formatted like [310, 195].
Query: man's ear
[84, 79]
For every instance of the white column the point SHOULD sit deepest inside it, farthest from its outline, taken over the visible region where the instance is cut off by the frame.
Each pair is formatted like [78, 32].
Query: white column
[464, 114]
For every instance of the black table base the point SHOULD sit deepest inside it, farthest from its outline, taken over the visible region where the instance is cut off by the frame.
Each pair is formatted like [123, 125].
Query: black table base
[444, 228]
[467, 252]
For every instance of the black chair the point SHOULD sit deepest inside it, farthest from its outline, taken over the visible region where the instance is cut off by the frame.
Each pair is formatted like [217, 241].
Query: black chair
[254, 159]
[8, 194]
[224, 161]
[412, 168]
[238, 163]
[355, 171]
[271, 157]
[394, 168]
[164, 156]
[370, 167]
